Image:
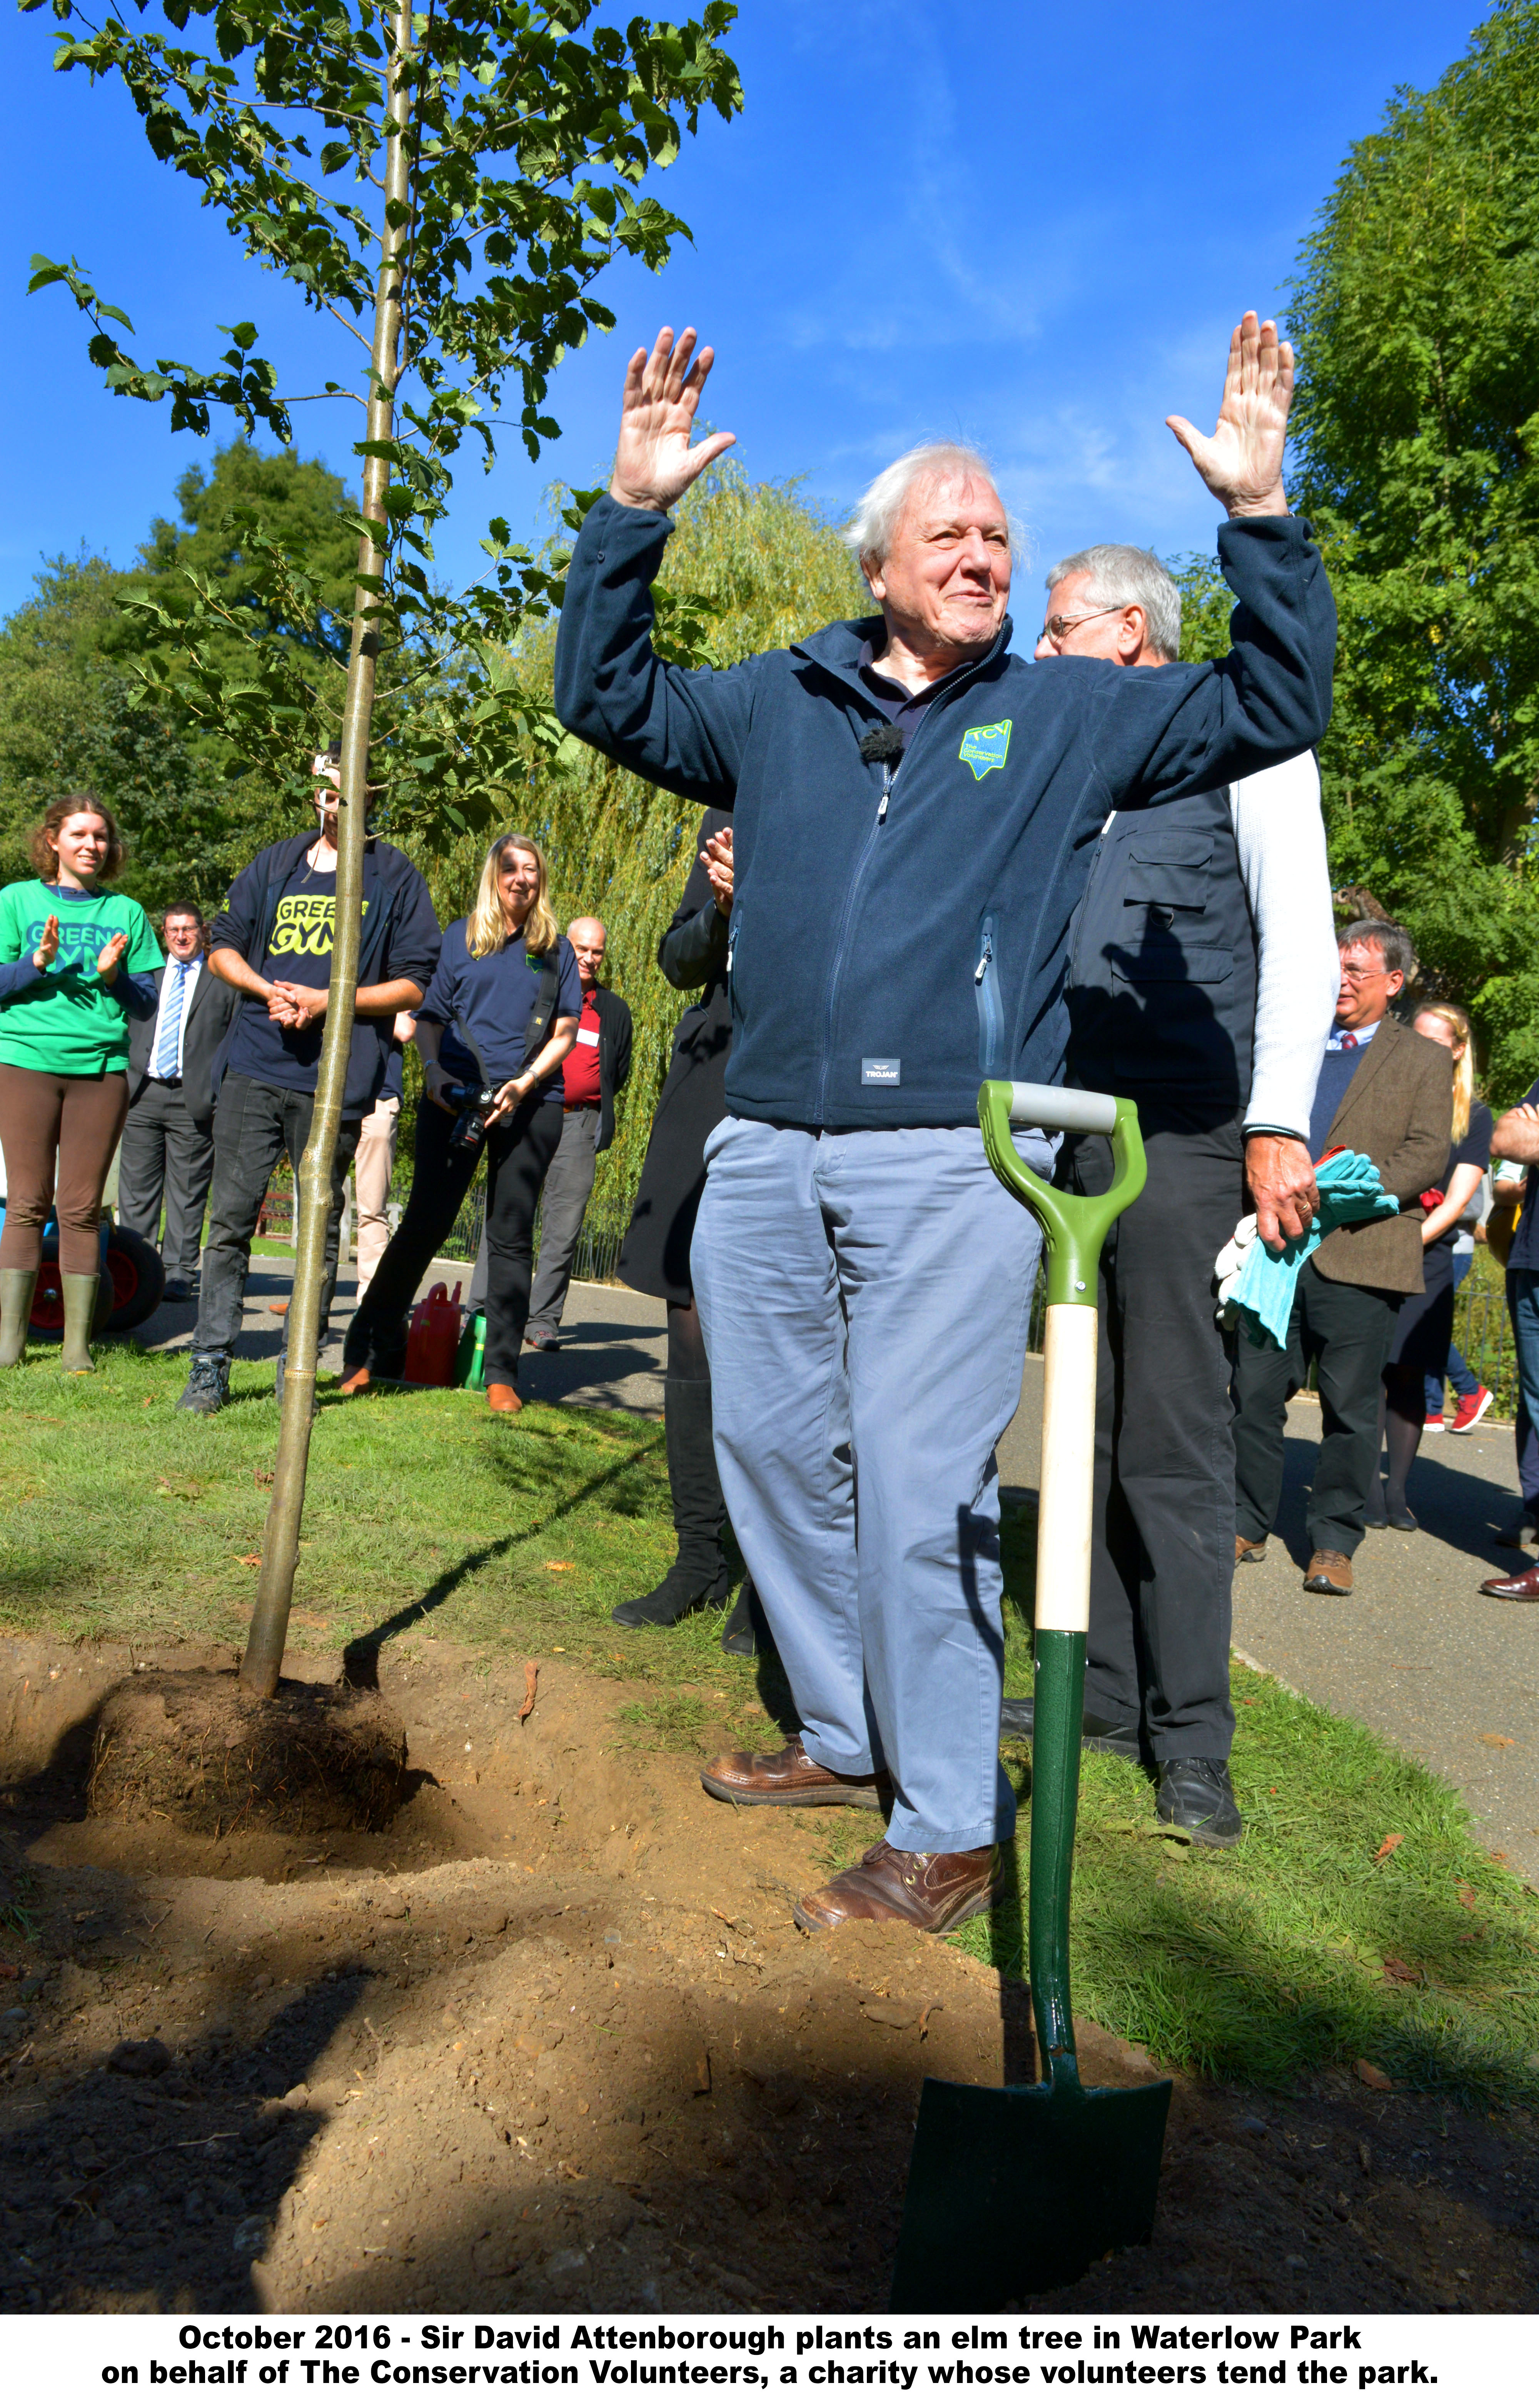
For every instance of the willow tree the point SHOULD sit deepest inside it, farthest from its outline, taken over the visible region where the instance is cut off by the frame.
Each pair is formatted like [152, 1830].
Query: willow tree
[443, 186]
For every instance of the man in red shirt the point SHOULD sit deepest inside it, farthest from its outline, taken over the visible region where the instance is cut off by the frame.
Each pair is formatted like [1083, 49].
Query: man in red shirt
[592, 1074]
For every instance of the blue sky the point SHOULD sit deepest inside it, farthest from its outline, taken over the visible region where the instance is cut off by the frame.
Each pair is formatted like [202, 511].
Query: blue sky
[1029, 225]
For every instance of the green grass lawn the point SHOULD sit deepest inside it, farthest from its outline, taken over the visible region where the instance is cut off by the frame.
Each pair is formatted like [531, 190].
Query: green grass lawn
[1308, 1946]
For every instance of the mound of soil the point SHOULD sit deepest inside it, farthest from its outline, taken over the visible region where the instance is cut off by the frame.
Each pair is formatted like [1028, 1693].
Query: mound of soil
[552, 2040]
[196, 1749]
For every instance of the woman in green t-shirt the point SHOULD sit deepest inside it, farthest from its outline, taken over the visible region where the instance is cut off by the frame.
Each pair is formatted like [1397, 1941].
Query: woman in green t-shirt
[75, 966]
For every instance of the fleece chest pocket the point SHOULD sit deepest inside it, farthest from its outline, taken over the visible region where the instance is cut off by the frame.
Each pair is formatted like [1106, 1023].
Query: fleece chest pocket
[1167, 875]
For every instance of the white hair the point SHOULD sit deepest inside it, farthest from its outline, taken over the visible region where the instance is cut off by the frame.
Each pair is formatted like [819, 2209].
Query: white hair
[1120, 575]
[871, 532]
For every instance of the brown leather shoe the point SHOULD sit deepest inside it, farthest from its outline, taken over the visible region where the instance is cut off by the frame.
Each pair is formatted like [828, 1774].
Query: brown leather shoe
[356, 1382]
[501, 1398]
[1249, 1550]
[1524, 1587]
[1328, 1574]
[789, 1778]
[891, 1885]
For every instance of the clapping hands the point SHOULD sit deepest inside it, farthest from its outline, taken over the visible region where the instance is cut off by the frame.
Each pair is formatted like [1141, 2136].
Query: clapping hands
[47, 944]
[295, 1007]
[108, 959]
[717, 859]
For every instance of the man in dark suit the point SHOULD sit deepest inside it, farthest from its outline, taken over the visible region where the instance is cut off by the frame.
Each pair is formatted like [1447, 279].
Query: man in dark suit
[1387, 1092]
[167, 1141]
[592, 1074]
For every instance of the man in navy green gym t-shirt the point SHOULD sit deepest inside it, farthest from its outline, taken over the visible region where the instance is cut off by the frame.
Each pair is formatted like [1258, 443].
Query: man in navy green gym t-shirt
[272, 940]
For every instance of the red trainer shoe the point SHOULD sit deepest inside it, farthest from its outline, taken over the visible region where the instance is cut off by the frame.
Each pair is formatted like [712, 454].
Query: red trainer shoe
[1434, 1422]
[1472, 1410]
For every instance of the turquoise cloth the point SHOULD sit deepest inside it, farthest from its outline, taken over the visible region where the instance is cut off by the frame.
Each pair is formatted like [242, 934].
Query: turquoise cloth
[1263, 1289]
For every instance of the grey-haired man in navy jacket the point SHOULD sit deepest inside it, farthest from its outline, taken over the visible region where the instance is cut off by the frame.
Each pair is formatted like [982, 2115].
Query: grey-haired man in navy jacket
[915, 810]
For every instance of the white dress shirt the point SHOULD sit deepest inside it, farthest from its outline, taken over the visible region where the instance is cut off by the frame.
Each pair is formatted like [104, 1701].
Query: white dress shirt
[193, 971]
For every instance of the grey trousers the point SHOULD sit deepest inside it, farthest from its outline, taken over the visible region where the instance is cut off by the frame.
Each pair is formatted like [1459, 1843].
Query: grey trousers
[865, 1299]
[165, 1154]
[568, 1185]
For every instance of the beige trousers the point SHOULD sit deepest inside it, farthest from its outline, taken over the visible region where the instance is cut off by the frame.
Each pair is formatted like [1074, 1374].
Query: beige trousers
[371, 1167]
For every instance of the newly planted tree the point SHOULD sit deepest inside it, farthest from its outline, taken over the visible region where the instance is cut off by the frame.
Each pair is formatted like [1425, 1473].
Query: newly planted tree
[446, 186]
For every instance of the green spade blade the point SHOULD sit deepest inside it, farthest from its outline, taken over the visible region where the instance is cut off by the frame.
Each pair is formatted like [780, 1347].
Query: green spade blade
[1012, 2192]
[1016, 2191]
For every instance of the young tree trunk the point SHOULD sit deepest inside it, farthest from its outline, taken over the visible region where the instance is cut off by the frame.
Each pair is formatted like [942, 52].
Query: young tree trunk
[264, 1657]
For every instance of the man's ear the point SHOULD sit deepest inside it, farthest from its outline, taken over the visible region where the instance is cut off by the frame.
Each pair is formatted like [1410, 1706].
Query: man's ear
[1132, 633]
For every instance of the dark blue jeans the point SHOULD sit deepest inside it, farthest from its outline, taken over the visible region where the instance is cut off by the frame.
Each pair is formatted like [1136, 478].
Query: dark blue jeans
[1523, 1305]
[1458, 1374]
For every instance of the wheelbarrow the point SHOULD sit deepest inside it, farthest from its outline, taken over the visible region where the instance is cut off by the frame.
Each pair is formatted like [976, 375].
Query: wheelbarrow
[1018, 2190]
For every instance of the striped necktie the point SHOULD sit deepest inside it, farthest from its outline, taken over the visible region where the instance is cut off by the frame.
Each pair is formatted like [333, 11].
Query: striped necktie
[170, 1024]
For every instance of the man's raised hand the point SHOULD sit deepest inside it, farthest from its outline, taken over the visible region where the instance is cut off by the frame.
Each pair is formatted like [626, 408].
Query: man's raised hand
[652, 461]
[1241, 463]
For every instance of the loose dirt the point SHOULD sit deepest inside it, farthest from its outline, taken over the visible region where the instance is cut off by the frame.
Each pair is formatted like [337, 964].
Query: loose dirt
[550, 2040]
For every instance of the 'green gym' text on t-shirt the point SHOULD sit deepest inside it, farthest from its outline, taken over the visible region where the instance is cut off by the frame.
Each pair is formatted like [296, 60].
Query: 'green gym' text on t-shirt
[67, 1022]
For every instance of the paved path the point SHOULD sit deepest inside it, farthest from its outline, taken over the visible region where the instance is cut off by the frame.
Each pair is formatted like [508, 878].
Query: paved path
[1415, 1651]
[611, 1354]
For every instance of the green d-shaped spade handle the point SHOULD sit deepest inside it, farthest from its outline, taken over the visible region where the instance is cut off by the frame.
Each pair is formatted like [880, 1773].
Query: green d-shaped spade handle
[1074, 1229]
[1074, 1226]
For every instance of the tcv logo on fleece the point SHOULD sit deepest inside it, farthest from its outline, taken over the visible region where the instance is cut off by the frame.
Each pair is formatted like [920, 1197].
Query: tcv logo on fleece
[985, 748]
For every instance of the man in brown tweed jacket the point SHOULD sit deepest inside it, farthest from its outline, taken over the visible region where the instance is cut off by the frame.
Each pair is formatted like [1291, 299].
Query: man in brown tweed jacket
[1388, 1093]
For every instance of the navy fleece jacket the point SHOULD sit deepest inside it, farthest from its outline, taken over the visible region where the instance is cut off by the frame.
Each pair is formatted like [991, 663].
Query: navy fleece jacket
[883, 959]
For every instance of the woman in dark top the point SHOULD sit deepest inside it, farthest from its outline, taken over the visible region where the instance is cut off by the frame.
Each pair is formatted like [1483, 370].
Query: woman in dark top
[1425, 1330]
[654, 1257]
[501, 1012]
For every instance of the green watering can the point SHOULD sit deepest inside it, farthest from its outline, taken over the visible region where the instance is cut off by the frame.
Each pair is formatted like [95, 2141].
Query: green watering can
[1018, 2190]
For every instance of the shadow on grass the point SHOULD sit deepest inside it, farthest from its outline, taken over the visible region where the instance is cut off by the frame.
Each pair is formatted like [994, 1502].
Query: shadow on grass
[361, 1658]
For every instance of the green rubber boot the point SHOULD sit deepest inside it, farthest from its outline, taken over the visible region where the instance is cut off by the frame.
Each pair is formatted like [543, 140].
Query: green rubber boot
[15, 1313]
[80, 1293]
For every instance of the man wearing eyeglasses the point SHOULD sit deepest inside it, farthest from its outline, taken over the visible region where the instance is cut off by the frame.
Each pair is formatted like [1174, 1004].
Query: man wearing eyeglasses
[1202, 977]
[1385, 1092]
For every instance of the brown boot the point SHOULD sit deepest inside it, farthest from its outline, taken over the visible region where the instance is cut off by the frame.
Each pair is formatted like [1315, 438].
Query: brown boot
[1251, 1550]
[890, 1884]
[789, 1778]
[1328, 1574]
[502, 1399]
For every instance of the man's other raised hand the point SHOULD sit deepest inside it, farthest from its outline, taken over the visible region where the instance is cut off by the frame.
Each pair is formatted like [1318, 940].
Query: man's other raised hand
[652, 461]
[1241, 463]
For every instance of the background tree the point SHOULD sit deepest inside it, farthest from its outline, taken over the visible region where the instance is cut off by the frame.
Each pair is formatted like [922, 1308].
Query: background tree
[75, 707]
[1416, 423]
[446, 187]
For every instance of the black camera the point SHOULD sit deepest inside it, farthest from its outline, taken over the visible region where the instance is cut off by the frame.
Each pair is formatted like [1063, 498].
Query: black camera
[468, 1133]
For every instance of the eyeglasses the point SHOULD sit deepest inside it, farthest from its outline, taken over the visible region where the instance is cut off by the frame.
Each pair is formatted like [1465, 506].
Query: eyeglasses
[1354, 977]
[1057, 627]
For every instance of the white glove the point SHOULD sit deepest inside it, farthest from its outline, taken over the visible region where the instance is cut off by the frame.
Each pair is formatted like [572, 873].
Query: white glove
[1226, 1270]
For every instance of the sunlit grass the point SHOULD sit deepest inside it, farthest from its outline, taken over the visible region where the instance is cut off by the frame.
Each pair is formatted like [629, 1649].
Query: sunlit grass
[427, 1518]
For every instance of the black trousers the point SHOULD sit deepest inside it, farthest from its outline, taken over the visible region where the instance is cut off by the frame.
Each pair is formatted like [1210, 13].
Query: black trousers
[1349, 1331]
[1162, 1552]
[518, 1154]
[253, 1124]
[165, 1154]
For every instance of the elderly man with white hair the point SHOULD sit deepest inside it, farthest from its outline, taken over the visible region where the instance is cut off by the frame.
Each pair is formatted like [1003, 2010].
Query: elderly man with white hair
[915, 809]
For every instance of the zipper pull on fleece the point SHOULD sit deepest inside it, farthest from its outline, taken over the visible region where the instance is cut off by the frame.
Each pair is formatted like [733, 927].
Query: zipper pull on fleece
[886, 792]
[985, 958]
